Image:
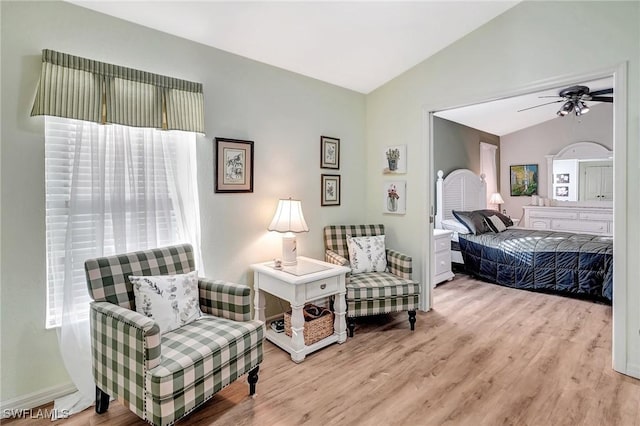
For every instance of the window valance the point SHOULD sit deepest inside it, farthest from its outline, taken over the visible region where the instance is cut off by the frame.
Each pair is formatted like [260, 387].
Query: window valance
[84, 89]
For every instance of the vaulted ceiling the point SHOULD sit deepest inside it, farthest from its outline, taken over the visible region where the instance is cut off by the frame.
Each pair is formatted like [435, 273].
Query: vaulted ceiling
[357, 45]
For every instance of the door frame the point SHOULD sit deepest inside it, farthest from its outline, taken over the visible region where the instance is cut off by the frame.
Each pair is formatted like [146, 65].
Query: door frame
[620, 276]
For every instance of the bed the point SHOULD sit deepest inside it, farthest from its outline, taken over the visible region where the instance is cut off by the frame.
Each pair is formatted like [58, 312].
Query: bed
[539, 260]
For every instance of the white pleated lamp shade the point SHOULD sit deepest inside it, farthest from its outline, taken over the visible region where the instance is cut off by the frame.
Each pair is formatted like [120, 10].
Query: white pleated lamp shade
[288, 217]
[496, 198]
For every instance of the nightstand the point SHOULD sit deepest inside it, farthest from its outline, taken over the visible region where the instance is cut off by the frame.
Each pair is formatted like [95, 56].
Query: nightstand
[515, 221]
[307, 281]
[442, 254]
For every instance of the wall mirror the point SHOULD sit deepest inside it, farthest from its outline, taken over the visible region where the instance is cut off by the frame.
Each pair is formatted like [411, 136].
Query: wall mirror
[581, 172]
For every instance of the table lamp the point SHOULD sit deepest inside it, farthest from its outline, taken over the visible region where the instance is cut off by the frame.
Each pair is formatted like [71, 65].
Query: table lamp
[289, 220]
[496, 198]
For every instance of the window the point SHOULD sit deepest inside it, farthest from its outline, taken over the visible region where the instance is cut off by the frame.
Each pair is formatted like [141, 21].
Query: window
[489, 169]
[111, 189]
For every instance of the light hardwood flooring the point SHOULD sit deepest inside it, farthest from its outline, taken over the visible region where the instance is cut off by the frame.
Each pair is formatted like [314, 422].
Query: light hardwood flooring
[485, 355]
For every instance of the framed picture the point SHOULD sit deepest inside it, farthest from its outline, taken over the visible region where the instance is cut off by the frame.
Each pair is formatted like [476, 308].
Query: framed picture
[329, 153]
[394, 160]
[562, 178]
[562, 191]
[395, 197]
[330, 190]
[524, 180]
[234, 165]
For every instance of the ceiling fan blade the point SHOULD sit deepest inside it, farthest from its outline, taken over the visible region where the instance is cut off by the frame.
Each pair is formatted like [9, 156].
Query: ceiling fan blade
[548, 103]
[601, 99]
[601, 92]
[555, 96]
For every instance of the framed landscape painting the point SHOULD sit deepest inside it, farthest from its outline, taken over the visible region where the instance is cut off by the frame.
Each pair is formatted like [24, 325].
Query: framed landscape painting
[524, 180]
[234, 165]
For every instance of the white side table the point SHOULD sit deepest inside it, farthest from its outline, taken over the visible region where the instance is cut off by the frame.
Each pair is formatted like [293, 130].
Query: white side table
[309, 280]
[442, 255]
[515, 221]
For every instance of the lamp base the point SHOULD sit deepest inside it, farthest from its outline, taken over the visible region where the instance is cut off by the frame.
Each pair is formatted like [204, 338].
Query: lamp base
[289, 250]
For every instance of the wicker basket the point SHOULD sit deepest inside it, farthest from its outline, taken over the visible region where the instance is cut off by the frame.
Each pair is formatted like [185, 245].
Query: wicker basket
[314, 329]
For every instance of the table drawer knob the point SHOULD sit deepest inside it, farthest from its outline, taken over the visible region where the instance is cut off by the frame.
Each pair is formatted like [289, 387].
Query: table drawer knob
[323, 286]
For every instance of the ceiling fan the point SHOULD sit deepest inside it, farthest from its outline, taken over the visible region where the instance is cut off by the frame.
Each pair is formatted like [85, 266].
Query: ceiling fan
[574, 98]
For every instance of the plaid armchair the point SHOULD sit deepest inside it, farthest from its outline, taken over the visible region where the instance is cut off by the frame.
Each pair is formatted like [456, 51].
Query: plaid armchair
[163, 378]
[373, 293]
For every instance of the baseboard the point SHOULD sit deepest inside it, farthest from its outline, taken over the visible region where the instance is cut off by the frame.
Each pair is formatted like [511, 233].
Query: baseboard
[35, 399]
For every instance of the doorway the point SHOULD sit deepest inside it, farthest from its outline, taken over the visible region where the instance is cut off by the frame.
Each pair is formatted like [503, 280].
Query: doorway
[617, 76]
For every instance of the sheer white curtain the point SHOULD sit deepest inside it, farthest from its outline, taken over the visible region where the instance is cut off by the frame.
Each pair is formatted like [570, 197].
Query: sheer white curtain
[110, 189]
[488, 167]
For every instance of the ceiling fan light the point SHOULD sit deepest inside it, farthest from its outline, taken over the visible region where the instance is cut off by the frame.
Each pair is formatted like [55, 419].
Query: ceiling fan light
[584, 108]
[566, 109]
[578, 109]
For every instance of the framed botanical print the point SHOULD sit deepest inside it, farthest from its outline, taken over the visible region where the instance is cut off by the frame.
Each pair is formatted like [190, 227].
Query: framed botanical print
[394, 160]
[329, 153]
[395, 197]
[234, 165]
[330, 190]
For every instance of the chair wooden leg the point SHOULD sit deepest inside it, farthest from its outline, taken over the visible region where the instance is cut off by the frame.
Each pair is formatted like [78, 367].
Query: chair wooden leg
[102, 401]
[412, 320]
[351, 324]
[253, 379]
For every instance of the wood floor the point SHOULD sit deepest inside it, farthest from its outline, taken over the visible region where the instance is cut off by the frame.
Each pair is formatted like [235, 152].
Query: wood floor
[486, 355]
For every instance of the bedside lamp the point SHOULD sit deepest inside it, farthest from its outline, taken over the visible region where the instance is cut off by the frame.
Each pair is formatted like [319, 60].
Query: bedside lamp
[496, 198]
[288, 219]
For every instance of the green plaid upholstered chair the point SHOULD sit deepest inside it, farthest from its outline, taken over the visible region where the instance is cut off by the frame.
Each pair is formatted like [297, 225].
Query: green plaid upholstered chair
[162, 378]
[372, 293]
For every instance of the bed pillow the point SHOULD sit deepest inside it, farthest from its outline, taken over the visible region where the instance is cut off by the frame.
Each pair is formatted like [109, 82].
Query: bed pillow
[454, 225]
[505, 219]
[474, 221]
[170, 300]
[367, 254]
[496, 224]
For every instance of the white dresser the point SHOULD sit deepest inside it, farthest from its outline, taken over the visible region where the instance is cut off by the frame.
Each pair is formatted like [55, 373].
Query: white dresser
[590, 220]
[442, 253]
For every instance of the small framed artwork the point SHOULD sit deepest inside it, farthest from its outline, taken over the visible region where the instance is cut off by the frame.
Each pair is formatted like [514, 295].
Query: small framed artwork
[395, 197]
[562, 178]
[562, 191]
[394, 160]
[330, 191]
[234, 165]
[329, 153]
[524, 180]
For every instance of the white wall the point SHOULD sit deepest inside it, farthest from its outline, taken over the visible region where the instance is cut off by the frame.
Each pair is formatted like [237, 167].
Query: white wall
[529, 44]
[530, 145]
[284, 113]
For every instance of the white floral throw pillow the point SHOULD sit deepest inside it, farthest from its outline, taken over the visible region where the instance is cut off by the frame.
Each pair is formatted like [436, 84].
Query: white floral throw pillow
[367, 254]
[171, 300]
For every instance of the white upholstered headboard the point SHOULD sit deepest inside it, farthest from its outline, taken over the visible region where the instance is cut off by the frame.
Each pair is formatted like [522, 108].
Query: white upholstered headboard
[460, 190]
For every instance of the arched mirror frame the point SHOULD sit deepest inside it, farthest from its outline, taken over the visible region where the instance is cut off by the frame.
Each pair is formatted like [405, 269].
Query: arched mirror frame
[585, 150]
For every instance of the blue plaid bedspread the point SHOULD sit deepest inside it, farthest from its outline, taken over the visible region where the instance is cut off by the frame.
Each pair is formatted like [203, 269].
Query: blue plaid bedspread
[578, 264]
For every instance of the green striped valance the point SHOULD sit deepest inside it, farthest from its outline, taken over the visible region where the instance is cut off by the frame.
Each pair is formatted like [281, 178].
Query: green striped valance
[83, 89]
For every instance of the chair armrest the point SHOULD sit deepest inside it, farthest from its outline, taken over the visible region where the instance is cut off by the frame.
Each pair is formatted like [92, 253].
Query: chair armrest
[225, 299]
[399, 264]
[114, 328]
[335, 258]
